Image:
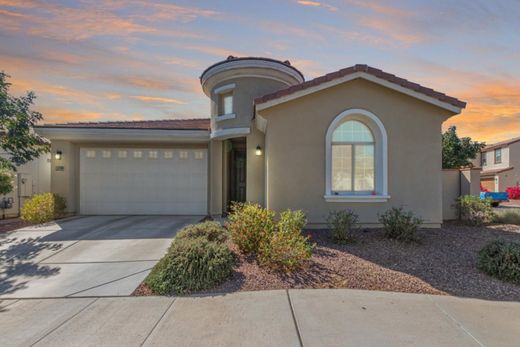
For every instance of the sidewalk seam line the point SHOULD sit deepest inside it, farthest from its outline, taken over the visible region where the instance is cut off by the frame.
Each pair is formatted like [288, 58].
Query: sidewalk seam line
[294, 318]
[158, 321]
[64, 322]
[457, 323]
[108, 282]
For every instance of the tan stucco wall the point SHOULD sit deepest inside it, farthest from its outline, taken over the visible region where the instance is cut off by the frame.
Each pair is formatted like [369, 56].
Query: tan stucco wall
[246, 90]
[255, 180]
[295, 157]
[215, 187]
[64, 183]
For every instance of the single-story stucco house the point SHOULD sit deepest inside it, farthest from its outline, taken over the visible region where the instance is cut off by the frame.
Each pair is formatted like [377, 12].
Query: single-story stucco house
[357, 138]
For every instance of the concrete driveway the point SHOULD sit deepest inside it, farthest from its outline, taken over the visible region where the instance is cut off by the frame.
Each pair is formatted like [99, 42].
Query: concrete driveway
[84, 256]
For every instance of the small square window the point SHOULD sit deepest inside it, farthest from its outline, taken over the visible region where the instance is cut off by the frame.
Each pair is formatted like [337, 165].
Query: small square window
[106, 154]
[226, 103]
[199, 155]
[122, 154]
[168, 155]
[183, 154]
[152, 154]
[138, 154]
[91, 154]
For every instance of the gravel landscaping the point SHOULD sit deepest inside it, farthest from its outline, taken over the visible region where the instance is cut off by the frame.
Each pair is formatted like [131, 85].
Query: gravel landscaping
[442, 262]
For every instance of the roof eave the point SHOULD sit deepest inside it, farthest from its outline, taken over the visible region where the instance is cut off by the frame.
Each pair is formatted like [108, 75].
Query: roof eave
[262, 105]
[123, 135]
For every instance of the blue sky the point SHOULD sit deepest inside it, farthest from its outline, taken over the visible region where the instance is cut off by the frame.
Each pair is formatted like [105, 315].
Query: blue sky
[114, 60]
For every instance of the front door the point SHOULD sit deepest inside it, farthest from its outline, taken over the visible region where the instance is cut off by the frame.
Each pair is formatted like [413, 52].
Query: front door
[237, 172]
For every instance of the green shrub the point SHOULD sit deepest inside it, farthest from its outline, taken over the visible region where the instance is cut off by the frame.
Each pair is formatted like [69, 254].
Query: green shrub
[287, 249]
[250, 225]
[212, 231]
[6, 182]
[474, 211]
[43, 208]
[501, 259]
[342, 224]
[400, 225]
[191, 264]
[507, 216]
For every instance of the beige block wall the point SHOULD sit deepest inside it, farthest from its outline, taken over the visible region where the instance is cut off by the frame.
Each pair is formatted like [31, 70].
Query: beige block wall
[450, 193]
[295, 158]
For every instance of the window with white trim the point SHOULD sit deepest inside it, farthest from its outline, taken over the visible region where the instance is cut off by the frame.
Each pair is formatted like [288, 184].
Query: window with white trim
[353, 166]
[498, 156]
[356, 158]
[225, 101]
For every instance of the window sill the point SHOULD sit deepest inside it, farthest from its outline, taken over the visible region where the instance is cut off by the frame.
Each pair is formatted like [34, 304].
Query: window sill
[357, 198]
[225, 117]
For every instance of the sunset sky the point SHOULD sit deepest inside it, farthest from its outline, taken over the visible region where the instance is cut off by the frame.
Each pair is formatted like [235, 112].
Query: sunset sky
[127, 60]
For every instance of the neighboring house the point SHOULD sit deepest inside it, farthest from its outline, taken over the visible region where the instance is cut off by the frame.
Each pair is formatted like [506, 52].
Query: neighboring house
[358, 138]
[30, 179]
[500, 164]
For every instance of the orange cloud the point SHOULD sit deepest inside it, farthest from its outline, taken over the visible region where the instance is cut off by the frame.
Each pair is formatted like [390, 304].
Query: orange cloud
[393, 29]
[158, 99]
[492, 113]
[95, 19]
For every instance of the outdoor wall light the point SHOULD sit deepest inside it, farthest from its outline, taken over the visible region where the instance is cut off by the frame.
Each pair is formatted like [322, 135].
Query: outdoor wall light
[258, 151]
[58, 155]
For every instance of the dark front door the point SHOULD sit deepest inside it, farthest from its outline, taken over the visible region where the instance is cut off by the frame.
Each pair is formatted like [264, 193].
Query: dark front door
[237, 172]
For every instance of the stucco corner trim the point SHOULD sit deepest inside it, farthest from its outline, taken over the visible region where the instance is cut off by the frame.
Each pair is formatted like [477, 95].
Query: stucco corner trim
[356, 198]
[228, 133]
[224, 89]
[225, 117]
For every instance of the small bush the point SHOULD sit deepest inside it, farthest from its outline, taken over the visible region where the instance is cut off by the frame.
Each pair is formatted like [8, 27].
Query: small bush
[191, 264]
[211, 231]
[342, 224]
[400, 225]
[507, 216]
[474, 211]
[501, 259]
[43, 208]
[250, 225]
[287, 249]
[6, 182]
[513, 193]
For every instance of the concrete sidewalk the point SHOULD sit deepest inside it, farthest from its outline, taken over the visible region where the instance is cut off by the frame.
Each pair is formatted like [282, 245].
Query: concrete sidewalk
[319, 317]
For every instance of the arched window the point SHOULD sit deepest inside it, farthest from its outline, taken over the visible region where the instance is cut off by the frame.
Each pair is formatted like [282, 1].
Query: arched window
[353, 165]
[356, 158]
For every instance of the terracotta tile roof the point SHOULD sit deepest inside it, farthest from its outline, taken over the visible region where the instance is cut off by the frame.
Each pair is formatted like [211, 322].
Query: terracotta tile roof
[494, 172]
[500, 144]
[166, 124]
[367, 69]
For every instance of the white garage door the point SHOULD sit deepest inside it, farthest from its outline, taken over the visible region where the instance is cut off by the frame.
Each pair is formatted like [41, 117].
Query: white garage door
[143, 181]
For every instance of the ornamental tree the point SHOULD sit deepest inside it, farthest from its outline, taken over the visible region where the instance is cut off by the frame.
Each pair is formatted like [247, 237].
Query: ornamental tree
[458, 152]
[17, 137]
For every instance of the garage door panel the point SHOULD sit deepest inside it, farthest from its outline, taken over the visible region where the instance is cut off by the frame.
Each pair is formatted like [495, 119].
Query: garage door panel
[143, 181]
